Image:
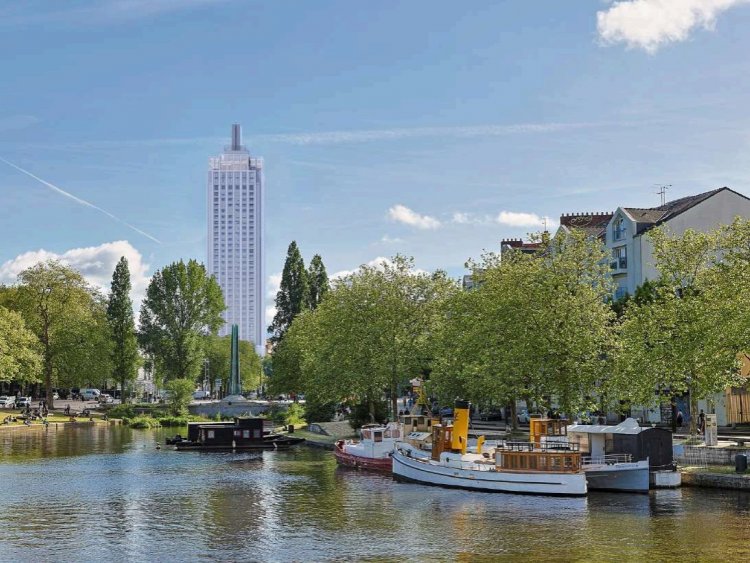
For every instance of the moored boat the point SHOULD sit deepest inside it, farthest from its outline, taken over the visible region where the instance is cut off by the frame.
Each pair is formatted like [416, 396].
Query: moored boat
[372, 450]
[239, 434]
[620, 457]
[510, 467]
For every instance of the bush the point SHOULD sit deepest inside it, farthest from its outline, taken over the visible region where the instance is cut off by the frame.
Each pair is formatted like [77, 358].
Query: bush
[180, 420]
[121, 411]
[295, 414]
[180, 395]
[276, 413]
[142, 422]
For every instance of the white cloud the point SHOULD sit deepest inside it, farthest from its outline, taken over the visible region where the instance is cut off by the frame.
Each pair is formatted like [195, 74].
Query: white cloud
[386, 239]
[366, 135]
[270, 314]
[649, 24]
[402, 214]
[272, 285]
[378, 263]
[96, 264]
[514, 219]
[461, 218]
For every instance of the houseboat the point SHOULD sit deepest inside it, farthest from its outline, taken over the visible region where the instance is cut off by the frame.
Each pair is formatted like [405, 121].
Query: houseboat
[546, 468]
[373, 449]
[239, 434]
[626, 456]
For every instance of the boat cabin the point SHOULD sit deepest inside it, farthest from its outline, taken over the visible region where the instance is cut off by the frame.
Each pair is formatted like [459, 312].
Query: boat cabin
[547, 430]
[415, 423]
[625, 439]
[240, 431]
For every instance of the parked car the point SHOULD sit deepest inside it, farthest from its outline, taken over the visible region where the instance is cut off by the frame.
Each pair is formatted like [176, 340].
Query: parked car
[105, 398]
[491, 414]
[90, 394]
[23, 402]
[446, 412]
[200, 395]
[7, 402]
[55, 395]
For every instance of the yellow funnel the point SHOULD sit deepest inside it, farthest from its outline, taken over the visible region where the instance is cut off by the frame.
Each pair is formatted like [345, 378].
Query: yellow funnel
[461, 410]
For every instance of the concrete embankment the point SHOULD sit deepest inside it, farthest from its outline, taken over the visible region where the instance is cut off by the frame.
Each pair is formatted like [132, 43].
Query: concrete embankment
[715, 480]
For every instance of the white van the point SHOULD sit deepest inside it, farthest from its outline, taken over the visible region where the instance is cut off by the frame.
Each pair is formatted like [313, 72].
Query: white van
[90, 394]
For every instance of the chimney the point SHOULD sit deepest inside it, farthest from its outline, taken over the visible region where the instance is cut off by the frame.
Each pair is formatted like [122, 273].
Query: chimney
[236, 137]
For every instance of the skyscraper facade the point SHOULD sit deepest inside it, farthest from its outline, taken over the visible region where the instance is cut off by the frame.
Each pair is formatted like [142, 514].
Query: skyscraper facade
[235, 237]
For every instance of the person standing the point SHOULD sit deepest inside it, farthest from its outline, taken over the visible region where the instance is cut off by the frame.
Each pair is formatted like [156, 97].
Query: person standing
[702, 422]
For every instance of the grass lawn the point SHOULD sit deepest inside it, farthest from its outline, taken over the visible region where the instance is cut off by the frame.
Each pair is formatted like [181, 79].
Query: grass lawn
[722, 469]
[53, 417]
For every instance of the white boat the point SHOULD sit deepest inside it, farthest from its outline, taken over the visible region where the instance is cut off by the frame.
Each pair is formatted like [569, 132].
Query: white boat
[615, 457]
[511, 467]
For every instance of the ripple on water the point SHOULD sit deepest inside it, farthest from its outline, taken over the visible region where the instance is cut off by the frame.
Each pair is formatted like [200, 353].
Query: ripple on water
[111, 495]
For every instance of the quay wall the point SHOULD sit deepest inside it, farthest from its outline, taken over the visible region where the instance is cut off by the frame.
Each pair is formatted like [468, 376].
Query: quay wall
[707, 455]
[716, 480]
[249, 408]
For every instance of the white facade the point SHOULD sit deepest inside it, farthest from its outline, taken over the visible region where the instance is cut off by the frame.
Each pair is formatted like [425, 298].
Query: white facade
[235, 238]
[627, 238]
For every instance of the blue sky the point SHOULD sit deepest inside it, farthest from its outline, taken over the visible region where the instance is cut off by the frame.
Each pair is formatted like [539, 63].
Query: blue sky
[429, 128]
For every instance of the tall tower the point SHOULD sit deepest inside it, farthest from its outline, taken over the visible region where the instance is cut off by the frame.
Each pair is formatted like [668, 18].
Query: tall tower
[235, 238]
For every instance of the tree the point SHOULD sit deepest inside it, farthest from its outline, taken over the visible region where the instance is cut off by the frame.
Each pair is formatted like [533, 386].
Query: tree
[678, 342]
[369, 336]
[180, 395]
[20, 360]
[292, 296]
[318, 281]
[66, 316]
[182, 304]
[122, 326]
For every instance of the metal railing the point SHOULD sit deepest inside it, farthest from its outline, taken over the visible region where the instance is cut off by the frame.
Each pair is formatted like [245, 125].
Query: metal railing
[556, 446]
[609, 459]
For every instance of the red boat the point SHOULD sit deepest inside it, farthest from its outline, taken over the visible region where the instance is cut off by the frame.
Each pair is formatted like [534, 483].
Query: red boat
[373, 451]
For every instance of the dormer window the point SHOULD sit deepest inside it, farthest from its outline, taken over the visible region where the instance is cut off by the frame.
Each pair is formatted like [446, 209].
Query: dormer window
[618, 229]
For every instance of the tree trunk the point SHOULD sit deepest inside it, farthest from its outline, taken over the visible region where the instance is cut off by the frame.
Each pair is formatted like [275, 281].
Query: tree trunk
[371, 408]
[513, 414]
[673, 404]
[48, 369]
[693, 414]
[394, 403]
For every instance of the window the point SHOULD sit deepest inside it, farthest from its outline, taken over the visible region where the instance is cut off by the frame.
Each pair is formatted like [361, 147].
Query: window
[618, 229]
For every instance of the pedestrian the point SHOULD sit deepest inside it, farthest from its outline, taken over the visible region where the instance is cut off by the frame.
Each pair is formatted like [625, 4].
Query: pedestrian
[679, 418]
[702, 422]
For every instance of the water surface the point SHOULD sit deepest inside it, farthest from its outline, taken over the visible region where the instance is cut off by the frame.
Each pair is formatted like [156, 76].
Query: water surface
[108, 493]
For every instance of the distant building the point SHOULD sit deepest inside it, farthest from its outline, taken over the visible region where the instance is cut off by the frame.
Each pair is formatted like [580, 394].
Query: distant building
[593, 224]
[235, 238]
[518, 244]
[632, 260]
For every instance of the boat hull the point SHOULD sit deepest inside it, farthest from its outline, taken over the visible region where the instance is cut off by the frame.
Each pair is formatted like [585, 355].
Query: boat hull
[382, 465]
[536, 483]
[278, 444]
[627, 477]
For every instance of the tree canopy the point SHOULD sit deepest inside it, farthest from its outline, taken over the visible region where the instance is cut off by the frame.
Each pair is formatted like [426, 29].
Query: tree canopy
[182, 304]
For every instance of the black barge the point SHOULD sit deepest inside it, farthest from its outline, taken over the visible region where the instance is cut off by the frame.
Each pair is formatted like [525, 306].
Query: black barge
[239, 434]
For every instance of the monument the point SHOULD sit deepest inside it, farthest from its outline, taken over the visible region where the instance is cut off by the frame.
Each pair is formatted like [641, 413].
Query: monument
[234, 391]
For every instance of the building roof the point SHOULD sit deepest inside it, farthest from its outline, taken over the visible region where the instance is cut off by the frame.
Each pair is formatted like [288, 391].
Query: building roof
[648, 218]
[593, 224]
[627, 426]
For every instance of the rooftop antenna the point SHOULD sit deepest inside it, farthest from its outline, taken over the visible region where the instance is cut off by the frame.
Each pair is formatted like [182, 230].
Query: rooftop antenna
[663, 192]
[544, 222]
[236, 137]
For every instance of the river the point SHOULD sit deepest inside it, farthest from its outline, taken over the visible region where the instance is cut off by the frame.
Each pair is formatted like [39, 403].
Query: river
[102, 493]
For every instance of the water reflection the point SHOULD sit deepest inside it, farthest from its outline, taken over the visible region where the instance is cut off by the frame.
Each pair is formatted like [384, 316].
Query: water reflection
[109, 493]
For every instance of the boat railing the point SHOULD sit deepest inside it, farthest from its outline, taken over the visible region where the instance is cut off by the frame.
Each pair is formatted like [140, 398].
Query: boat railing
[609, 459]
[520, 446]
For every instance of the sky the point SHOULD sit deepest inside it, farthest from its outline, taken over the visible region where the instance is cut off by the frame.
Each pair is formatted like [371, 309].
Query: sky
[428, 128]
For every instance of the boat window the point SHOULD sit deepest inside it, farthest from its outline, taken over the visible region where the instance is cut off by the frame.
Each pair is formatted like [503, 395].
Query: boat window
[237, 433]
[245, 433]
[378, 437]
[256, 434]
[210, 434]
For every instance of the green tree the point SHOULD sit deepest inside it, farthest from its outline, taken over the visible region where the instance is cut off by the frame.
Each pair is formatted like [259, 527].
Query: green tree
[122, 327]
[65, 314]
[369, 336]
[182, 304]
[180, 395]
[678, 342]
[292, 296]
[20, 360]
[317, 280]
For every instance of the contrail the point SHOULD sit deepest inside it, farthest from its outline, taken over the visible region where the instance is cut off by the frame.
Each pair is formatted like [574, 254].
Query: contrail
[81, 201]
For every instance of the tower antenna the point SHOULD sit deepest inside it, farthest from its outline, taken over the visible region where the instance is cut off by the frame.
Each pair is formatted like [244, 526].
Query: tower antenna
[663, 192]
